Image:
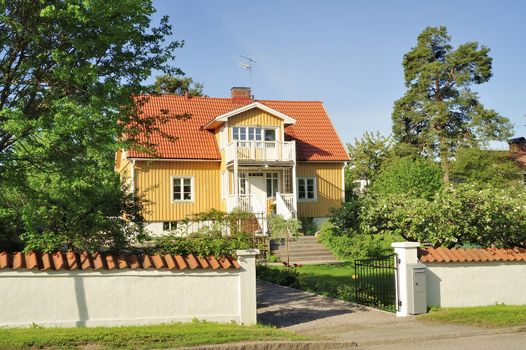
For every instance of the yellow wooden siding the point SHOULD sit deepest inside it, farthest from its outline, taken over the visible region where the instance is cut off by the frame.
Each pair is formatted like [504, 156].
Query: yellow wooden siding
[255, 117]
[155, 178]
[328, 184]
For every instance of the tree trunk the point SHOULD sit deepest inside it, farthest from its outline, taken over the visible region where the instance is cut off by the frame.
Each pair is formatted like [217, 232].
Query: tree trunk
[444, 160]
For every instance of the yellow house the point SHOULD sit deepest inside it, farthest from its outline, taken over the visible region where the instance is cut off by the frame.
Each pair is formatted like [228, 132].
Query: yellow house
[256, 155]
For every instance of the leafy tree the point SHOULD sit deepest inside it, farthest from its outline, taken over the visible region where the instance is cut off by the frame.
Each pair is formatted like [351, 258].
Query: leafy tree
[170, 84]
[485, 167]
[367, 155]
[68, 73]
[439, 111]
[418, 177]
[285, 229]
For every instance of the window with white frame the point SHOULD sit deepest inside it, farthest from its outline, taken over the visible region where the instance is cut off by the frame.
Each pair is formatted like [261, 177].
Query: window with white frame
[272, 185]
[306, 188]
[243, 183]
[182, 189]
[252, 133]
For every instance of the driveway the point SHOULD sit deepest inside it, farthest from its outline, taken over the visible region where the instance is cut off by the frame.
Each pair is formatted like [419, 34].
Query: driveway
[328, 319]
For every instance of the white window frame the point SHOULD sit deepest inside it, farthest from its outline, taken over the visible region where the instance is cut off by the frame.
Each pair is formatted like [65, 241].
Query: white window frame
[192, 189]
[272, 176]
[261, 133]
[315, 187]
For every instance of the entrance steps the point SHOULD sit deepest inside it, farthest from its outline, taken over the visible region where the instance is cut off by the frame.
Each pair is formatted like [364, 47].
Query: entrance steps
[303, 250]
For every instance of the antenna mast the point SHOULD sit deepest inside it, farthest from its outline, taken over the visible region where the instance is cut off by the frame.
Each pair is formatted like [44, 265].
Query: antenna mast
[248, 64]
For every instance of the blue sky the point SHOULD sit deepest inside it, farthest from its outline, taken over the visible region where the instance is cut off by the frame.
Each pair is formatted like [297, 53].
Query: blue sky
[347, 54]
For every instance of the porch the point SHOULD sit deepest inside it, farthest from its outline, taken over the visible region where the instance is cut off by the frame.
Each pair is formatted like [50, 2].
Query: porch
[266, 190]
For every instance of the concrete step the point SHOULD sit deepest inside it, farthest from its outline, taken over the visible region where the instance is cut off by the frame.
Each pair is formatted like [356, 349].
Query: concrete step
[303, 250]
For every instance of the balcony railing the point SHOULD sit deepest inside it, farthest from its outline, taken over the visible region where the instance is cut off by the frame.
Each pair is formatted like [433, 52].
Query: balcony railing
[261, 151]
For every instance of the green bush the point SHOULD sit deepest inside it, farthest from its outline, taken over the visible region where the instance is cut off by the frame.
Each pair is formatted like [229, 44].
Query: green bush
[487, 168]
[202, 244]
[355, 245]
[308, 226]
[460, 215]
[417, 177]
[347, 217]
[286, 276]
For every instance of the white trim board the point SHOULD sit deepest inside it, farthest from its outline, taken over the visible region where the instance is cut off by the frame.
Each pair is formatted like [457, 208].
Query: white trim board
[224, 117]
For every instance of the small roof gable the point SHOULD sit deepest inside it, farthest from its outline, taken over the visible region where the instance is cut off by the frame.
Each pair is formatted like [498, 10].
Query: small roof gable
[213, 124]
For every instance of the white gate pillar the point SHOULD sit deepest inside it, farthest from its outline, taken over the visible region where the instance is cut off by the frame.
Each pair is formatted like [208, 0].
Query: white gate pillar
[406, 253]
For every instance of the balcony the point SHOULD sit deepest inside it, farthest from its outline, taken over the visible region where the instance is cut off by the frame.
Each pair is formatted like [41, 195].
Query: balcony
[261, 151]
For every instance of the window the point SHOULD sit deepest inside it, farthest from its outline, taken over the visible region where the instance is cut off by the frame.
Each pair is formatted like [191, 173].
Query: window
[272, 185]
[169, 225]
[270, 135]
[242, 183]
[307, 188]
[183, 189]
[253, 134]
[239, 134]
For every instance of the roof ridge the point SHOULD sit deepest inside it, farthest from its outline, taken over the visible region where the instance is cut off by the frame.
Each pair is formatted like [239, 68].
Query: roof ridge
[296, 101]
[226, 98]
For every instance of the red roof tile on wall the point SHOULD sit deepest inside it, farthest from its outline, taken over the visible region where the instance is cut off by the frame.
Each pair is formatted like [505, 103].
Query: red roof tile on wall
[101, 261]
[316, 139]
[446, 255]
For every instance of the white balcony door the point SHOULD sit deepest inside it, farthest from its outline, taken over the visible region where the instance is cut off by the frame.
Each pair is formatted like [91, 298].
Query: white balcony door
[270, 144]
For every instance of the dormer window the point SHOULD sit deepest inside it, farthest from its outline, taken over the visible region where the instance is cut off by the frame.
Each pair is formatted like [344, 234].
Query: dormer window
[253, 134]
[270, 134]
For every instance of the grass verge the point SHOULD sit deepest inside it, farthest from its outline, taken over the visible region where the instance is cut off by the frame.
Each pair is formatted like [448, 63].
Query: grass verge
[488, 316]
[138, 337]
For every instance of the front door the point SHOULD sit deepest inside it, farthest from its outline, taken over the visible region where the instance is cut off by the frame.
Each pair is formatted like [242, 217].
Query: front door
[258, 189]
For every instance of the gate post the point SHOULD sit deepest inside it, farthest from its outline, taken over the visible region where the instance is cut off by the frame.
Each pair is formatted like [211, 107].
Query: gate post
[406, 253]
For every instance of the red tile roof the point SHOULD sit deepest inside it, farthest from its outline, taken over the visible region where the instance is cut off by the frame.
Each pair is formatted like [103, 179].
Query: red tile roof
[316, 138]
[520, 158]
[446, 255]
[102, 261]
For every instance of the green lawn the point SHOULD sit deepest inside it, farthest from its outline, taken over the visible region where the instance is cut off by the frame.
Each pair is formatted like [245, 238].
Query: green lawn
[138, 337]
[489, 316]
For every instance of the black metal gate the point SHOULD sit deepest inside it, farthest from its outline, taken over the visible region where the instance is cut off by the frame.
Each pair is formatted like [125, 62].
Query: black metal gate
[375, 282]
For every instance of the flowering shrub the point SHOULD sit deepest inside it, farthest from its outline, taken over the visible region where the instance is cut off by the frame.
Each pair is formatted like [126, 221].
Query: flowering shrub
[460, 215]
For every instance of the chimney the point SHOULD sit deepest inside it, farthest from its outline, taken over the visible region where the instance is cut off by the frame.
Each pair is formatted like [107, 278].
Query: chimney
[517, 145]
[240, 93]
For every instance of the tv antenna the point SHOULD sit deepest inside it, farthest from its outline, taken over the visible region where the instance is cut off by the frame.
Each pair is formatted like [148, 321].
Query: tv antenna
[247, 63]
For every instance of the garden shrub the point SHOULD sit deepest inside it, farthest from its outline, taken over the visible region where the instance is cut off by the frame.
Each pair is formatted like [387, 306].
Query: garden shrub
[202, 244]
[354, 245]
[308, 226]
[347, 217]
[459, 215]
[418, 177]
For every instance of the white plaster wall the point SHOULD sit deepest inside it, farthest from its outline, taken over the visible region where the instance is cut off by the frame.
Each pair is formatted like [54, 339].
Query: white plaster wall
[105, 298]
[155, 228]
[476, 284]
